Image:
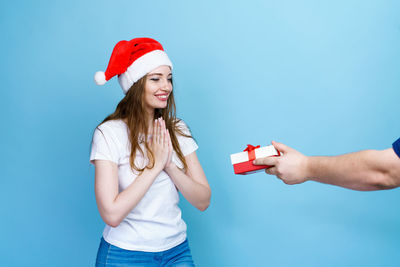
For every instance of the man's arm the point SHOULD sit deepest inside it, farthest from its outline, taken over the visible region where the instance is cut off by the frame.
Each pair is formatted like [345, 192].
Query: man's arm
[364, 170]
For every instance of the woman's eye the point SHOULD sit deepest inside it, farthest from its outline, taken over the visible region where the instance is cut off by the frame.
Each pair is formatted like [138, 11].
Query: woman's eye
[154, 79]
[170, 80]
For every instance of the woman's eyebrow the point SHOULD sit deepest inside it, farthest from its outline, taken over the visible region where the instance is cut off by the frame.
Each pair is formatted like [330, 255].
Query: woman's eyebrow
[160, 74]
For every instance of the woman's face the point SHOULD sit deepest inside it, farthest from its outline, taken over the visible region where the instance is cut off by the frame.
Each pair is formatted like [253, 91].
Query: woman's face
[158, 87]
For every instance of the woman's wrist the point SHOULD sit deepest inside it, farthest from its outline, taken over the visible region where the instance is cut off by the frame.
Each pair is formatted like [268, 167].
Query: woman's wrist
[170, 168]
[157, 168]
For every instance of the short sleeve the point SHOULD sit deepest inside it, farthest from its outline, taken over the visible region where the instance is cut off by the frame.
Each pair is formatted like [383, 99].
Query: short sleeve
[187, 144]
[104, 146]
[396, 147]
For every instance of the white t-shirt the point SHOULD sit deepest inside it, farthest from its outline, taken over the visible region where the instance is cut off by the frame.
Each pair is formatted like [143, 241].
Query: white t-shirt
[155, 224]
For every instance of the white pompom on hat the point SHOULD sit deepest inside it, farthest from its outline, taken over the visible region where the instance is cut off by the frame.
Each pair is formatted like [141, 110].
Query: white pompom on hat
[100, 78]
[131, 60]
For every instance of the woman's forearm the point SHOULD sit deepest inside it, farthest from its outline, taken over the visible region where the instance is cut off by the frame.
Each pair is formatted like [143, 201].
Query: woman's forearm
[196, 193]
[115, 210]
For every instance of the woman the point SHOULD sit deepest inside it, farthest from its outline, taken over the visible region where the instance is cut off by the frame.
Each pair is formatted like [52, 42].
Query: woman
[143, 155]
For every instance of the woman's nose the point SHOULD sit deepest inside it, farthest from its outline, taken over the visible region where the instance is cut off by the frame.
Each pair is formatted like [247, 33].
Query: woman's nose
[166, 86]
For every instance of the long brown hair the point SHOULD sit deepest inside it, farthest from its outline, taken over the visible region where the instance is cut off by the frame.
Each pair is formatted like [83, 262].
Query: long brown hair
[131, 109]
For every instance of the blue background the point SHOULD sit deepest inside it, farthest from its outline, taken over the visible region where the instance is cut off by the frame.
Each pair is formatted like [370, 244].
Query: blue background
[320, 76]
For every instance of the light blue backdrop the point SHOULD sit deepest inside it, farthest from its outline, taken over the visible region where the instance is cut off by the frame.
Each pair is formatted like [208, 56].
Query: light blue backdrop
[321, 76]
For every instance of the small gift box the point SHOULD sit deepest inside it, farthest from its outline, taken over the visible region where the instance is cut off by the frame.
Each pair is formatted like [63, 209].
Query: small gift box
[243, 162]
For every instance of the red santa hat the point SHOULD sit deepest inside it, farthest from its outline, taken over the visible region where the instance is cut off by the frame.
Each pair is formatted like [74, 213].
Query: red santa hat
[131, 60]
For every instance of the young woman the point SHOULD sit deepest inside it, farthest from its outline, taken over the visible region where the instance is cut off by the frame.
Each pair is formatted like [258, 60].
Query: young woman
[144, 155]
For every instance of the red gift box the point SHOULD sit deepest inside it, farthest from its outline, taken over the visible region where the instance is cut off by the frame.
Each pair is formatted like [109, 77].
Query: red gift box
[243, 162]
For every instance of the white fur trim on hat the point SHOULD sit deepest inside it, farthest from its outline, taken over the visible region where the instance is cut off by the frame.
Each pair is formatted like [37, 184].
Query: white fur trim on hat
[141, 66]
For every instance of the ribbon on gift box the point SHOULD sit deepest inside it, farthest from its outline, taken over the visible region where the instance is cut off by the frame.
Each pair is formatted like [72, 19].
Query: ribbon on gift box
[251, 151]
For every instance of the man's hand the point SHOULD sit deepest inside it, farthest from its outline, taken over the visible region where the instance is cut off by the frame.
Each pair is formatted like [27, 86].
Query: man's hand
[290, 167]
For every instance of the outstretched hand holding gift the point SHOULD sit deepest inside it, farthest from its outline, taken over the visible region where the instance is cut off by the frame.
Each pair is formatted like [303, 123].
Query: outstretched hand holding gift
[363, 170]
[290, 167]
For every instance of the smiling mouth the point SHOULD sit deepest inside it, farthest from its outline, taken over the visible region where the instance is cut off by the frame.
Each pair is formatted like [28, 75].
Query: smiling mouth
[162, 97]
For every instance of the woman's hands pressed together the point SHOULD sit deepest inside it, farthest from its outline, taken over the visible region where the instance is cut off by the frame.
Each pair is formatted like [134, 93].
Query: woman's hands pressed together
[161, 145]
[192, 183]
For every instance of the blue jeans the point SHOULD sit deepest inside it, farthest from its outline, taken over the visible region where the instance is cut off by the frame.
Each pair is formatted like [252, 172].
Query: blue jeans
[112, 256]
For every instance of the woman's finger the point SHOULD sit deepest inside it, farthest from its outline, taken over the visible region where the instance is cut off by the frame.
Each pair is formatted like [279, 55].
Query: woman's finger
[156, 133]
[164, 129]
[153, 132]
[169, 146]
[162, 124]
[160, 132]
[169, 139]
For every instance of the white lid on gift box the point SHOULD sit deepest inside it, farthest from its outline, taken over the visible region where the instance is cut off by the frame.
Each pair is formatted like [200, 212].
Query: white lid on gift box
[261, 152]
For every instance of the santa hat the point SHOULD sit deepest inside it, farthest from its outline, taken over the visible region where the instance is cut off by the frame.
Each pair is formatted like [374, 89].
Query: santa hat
[131, 60]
